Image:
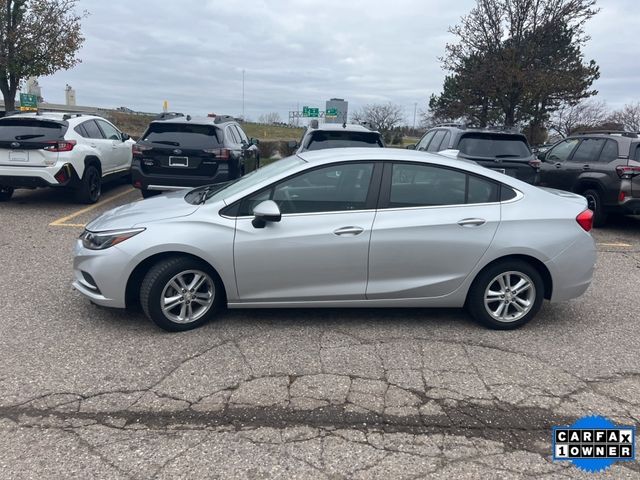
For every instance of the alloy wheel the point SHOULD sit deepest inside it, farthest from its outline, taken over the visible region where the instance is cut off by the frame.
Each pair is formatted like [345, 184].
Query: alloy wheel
[509, 296]
[187, 296]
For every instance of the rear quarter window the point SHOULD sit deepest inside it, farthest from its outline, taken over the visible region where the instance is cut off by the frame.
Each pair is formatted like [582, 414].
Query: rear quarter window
[183, 135]
[30, 130]
[493, 146]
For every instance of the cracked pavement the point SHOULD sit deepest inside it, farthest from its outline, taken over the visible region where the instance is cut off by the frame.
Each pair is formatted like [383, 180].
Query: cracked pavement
[93, 393]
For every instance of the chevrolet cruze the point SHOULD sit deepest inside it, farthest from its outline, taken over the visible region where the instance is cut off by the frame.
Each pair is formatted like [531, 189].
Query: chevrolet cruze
[343, 228]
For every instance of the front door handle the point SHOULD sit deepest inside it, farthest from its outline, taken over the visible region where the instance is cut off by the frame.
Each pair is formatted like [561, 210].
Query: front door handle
[557, 165]
[348, 231]
[472, 222]
[586, 167]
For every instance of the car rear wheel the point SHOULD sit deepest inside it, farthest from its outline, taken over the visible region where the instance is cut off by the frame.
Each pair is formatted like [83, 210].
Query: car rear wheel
[594, 201]
[506, 295]
[5, 194]
[90, 185]
[180, 294]
[150, 193]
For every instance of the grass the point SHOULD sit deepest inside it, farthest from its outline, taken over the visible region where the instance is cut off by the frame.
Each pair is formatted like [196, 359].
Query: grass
[272, 132]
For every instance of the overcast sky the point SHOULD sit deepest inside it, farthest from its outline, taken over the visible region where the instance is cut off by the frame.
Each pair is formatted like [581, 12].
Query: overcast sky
[294, 53]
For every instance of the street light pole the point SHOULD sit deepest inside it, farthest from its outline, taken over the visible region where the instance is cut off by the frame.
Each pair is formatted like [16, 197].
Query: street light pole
[415, 108]
[243, 94]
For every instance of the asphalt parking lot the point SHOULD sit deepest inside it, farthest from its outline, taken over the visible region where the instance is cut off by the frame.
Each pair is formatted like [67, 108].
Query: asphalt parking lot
[92, 393]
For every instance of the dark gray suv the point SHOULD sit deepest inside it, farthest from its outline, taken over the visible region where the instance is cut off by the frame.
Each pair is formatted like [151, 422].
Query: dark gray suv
[603, 166]
[500, 149]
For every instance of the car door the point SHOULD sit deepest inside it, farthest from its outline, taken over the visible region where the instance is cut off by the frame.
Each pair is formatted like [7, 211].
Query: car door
[556, 171]
[433, 226]
[319, 249]
[424, 141]
[103, 146]
[120, 150]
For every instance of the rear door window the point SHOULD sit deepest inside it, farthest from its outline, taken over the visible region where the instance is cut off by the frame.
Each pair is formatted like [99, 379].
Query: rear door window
[232, 134]
[240, 134]
[434, 146]
[110, 132]
[588, 151]
[609, 152]
[29, 130]
[185, 135]
[493, 146]
[92, 130]
[321, 140]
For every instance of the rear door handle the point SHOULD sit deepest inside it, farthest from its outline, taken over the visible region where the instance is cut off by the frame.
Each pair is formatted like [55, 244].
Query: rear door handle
[472, 222]
[586, 167]
[348, 231]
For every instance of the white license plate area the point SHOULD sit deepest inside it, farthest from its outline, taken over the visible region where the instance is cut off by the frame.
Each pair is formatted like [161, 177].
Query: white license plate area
[18, 156]
[178, 161]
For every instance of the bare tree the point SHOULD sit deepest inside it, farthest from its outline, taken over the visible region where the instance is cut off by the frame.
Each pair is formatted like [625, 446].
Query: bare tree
[586, 114]
[37, 37]
[269, 118]
[628, 117]
[382, 117]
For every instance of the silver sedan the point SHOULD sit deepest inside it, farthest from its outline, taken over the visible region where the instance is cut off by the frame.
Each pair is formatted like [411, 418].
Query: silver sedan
[343, 228]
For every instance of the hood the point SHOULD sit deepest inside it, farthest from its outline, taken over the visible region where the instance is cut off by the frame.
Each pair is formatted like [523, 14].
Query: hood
[162, 207]
[574, 197]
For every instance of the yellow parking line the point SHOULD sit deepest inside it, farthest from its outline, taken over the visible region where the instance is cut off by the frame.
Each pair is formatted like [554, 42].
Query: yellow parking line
[62, 222]
[615, 245]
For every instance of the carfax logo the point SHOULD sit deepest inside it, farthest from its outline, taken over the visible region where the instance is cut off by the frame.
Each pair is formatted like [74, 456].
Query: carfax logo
[594, 443]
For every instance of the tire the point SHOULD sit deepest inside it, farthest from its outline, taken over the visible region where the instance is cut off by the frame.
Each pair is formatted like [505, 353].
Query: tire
[171, 279]
[594, 201]
[90, 185]
[150, 193]
[5, 194]
[489, 280]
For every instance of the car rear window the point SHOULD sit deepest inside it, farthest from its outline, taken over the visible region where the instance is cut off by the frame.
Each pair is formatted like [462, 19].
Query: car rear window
[321, 140]
[493, 146]
[184, 135]
[12, 129]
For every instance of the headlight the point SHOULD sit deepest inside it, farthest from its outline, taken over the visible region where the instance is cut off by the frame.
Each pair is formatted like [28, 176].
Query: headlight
[103, 240]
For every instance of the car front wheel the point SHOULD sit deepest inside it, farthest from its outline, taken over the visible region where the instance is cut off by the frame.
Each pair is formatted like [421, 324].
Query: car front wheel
[180, 294]
[5, 194]
[506, 295]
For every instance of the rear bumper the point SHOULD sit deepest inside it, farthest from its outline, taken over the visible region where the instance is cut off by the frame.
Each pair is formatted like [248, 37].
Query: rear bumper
[523, 172]
[145, 181]
[630, 206]
[36, 177]
[572, 270]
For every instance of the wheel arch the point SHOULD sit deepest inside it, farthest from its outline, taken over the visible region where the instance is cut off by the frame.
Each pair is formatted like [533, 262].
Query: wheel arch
[132, 290]
[540, 267]
[92, 160]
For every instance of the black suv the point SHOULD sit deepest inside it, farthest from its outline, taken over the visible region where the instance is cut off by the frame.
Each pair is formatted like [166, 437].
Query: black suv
[178, 151]
[603, 166]
[499, 149]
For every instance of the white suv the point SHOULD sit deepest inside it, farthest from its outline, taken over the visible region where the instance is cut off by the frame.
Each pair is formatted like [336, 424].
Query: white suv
[61, 150]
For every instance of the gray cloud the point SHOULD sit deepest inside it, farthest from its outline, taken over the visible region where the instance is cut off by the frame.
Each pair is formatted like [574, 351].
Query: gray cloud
[294, 52]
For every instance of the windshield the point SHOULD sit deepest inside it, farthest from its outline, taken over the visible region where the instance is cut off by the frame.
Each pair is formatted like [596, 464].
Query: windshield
[183, 135]
[254, 178]
[322, 140]
[493, 146]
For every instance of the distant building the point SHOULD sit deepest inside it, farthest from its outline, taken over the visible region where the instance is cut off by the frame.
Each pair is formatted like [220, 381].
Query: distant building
[341, 108]
[33, 88]
[70, 96]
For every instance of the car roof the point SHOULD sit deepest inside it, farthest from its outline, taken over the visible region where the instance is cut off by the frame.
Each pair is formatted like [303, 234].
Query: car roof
[348, 127]
[57, 116]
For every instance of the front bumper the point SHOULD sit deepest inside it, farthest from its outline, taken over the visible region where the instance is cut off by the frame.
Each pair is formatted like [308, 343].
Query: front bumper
[36, 177]
[101, 275]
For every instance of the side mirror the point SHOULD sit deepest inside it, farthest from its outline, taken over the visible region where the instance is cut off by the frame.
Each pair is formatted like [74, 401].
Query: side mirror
[411, 147]
[267, 211]
[542, 156]
[125, 137]
[254, 141]
[292, 144]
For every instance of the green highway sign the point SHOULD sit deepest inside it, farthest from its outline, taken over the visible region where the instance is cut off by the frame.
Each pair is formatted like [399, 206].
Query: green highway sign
[305, 111]
[314, 112]
[28, 102]
[332, 112]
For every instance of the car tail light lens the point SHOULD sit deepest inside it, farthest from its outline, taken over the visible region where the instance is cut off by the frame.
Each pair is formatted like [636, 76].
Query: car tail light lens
[585, 220]
[622, 195]
[535, 163]
[627, 171]
[220, 153]
[138, 150]
[60, 146]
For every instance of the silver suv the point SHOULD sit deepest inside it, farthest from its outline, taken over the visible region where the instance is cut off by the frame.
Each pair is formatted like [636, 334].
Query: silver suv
[61, 150]
[336, 135]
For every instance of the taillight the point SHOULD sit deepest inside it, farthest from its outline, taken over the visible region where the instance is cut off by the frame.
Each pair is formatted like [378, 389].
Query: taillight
[138, 150]
[627, 171]
[585, 220]
[219, 153]
[60, 146]
[622, 195]
[535, 163]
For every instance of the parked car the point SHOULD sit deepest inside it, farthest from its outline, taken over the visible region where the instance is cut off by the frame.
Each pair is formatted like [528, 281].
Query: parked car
[178, 151]
[68, 150]
[503, 150]
[343, 228]
[337, 135]
[602, 166]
